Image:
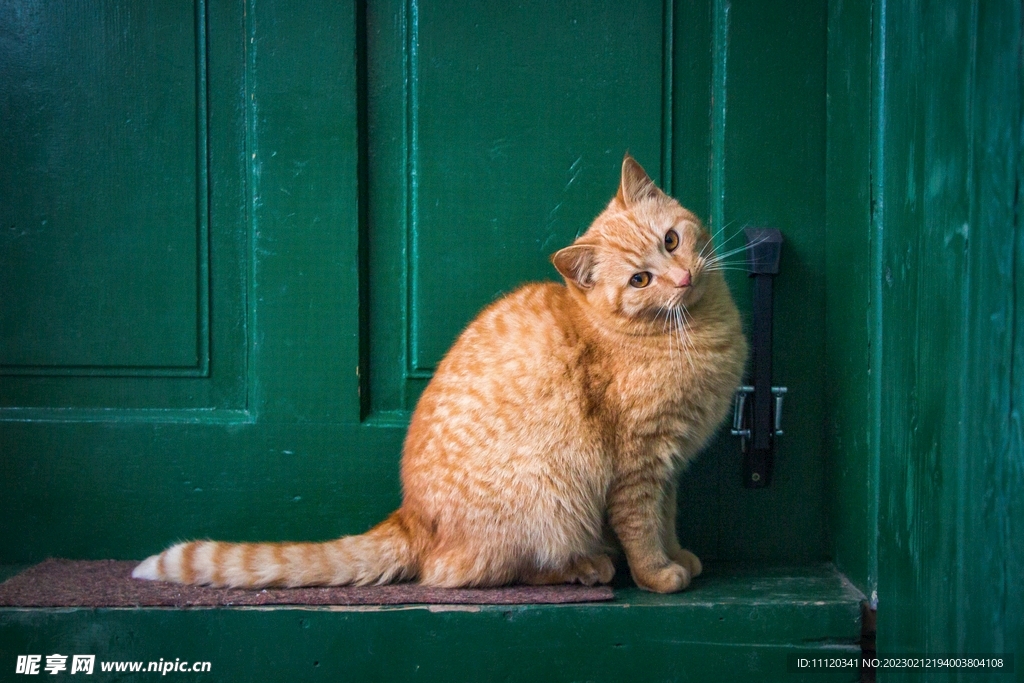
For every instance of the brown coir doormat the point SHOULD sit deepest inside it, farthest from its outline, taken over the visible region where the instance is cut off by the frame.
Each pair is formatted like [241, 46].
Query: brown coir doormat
[108, 583]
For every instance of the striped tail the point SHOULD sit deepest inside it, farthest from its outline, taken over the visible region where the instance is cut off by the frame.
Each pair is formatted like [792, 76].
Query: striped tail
[383, 554]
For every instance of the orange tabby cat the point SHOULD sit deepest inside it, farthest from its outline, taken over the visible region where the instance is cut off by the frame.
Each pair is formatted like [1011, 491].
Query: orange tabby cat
[559, 411]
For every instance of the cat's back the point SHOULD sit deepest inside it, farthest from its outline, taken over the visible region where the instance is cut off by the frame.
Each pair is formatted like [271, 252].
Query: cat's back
[527, 333]
[510, 379]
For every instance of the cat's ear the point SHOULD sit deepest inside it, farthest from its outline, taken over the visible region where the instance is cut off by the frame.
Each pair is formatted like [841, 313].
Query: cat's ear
[635, 185]
[576, 264]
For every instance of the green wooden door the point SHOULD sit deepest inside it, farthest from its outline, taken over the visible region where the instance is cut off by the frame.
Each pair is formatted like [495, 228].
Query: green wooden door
[949, 293]
[235, 239]
[179, 317]
[925, 318]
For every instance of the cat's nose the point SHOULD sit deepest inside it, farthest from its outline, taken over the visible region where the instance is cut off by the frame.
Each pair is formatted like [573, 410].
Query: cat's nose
[680, 277]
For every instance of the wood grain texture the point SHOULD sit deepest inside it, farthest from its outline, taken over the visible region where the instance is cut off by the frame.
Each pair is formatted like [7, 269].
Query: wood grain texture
[992, 584]
[948, 124]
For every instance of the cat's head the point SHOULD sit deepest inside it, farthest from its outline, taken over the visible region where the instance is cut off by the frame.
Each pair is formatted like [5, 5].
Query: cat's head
[643, 255]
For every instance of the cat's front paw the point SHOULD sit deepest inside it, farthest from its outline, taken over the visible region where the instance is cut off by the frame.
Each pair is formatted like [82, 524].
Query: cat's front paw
[688, 560]
[592, 570]
[669, 579]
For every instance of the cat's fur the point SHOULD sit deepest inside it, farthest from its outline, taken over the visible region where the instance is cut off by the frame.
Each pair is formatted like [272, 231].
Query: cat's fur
[560, 412]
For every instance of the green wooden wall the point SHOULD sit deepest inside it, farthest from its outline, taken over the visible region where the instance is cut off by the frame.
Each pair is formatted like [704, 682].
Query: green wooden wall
[925, 317]
[947, 225]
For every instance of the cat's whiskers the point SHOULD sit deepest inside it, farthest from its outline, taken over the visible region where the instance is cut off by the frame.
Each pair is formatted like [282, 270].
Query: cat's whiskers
[721, 229]
[717, 258]
[671, 337]
[670, 326]
[664, 325]
[718, 232]
[684, 338]
[731, 266]
[680, 314]
[735, 250]
[676, 329]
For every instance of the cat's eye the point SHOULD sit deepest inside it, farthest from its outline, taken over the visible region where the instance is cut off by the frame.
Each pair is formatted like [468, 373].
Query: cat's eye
[640, 280]
[671, 240]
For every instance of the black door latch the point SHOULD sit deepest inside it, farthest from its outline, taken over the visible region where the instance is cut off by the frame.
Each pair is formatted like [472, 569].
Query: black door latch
[757, 411]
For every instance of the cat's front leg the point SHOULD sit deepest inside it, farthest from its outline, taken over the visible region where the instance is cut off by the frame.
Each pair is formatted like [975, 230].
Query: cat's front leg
[670, 537]
[635, 510]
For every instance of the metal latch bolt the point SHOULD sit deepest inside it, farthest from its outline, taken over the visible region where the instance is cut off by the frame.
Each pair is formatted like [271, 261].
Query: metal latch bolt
[740, 424]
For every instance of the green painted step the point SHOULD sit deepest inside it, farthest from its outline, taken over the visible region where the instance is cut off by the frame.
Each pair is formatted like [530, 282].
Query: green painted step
[735, 623]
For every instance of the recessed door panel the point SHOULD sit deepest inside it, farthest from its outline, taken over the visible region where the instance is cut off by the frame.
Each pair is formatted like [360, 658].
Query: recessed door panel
[103, 187]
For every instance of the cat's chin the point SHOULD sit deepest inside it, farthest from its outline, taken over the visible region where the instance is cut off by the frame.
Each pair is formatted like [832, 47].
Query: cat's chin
[699, 291]
[683, 304]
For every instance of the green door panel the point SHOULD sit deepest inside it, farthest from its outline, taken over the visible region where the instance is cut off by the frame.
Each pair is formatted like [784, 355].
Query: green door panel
[494, 138]
[521, 115]
[282, 324]
[122, 206]
[104, 190]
